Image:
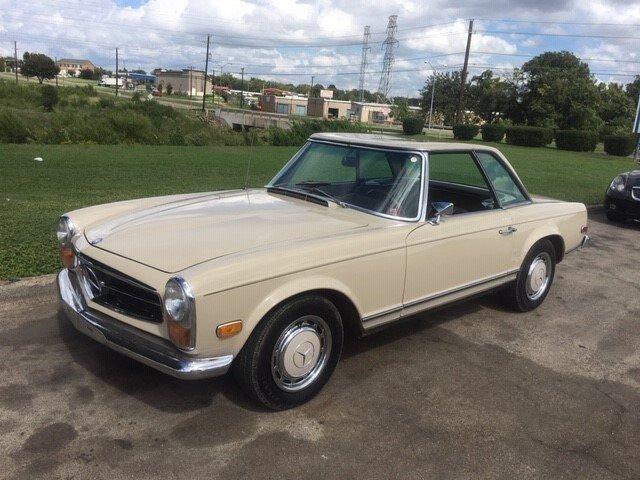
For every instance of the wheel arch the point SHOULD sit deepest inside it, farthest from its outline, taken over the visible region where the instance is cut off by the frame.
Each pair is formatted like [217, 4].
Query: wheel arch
[548, 233]
[334, 291]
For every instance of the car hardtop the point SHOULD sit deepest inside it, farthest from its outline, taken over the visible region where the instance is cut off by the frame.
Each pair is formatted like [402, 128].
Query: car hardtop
[397, 143]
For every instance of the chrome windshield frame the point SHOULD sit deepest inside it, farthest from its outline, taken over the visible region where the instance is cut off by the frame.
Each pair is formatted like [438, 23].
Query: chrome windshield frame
[423, 178]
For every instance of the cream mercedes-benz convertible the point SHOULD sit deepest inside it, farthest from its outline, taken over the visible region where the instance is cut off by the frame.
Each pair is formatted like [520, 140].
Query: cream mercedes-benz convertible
[354, 233]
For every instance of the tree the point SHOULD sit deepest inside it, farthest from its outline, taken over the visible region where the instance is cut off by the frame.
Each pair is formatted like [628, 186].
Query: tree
[560, 92]
[616, 108]
[169, 89]
[399, 110]
[445, 95]
[87, 74]
[3, 64]
[633, 89]
[38, 65]
[490, 96]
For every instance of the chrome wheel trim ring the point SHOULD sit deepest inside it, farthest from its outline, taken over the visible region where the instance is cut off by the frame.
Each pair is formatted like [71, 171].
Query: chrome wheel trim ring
[538, 276]
[301, 353]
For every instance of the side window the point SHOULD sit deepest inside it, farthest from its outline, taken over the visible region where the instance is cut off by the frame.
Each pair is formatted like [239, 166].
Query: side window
[507, 189]
[457, 178]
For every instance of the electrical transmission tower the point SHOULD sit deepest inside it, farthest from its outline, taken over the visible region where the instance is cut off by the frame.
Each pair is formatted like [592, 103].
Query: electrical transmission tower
[389, 56]
[363, 64]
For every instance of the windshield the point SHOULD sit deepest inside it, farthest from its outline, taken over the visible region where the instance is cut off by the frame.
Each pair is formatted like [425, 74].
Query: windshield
[381, 181]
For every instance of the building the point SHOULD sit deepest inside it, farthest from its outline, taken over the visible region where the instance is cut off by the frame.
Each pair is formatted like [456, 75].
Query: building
[187, 81]
[288, 105]
[371, 112]
[329, 108]
[74, 66]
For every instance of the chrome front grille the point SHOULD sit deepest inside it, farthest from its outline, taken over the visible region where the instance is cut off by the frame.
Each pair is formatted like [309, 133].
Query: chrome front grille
[119, 292]
[635, 193]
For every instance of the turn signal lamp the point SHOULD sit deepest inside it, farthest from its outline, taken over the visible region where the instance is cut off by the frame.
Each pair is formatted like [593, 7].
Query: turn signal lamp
[229, 329]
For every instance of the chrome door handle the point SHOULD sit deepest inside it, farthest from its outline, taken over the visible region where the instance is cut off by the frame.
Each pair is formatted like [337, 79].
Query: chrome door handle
[508, 231]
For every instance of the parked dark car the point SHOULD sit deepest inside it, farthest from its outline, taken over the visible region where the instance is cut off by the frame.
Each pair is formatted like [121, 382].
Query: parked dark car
[622, 200]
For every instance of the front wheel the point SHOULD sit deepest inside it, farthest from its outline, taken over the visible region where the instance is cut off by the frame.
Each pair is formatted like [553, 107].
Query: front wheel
[292, 352]
[534, 278]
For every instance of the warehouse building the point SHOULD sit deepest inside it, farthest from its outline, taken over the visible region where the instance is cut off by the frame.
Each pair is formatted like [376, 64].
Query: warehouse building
[329, 108]
[187, 81]
[287, 105]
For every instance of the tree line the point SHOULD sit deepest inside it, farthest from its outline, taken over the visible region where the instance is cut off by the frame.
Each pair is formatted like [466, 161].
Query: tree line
[552, 90]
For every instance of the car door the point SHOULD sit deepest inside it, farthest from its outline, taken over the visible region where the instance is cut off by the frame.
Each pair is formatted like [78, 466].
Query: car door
[466, 252]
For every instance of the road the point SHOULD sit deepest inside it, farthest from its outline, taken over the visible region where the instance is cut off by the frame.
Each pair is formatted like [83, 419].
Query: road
[472, 391]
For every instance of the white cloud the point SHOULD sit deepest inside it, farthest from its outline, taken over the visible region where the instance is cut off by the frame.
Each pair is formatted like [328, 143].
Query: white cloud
[171, 33]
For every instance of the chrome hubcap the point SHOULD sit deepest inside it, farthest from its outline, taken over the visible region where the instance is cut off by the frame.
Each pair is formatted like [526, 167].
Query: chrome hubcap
[538, 276]
[301, 353]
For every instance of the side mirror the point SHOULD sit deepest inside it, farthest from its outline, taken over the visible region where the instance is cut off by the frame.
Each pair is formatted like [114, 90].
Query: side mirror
[440, 208]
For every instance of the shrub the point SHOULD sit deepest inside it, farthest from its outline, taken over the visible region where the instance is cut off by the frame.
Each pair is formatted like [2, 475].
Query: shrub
[49, 97]
[12, 128]
[105, 102]
[412, 125]
[493, 132]
[465, 131]
[576, 140]
[301, 130]
[529, 136]
[132, 127]
[620, 145]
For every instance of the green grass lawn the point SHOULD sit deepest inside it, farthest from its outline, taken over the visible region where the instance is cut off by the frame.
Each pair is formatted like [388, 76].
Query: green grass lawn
[34, 194]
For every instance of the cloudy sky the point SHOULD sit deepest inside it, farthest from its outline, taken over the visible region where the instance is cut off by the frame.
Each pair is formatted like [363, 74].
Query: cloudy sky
[290, 40]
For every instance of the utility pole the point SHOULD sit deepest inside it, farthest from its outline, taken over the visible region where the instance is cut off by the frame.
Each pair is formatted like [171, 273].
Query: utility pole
[433, 88]
[311, 89]
[463, 76]
[117, 77]
[363, 63]
[242, 87]
[206, 69]
[15, 59]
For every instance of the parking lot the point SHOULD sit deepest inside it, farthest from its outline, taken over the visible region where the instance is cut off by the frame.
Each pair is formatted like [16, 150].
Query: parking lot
[472, 391]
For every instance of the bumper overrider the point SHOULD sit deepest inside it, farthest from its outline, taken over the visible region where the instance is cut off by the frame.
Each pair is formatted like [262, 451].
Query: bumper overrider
[149, 349]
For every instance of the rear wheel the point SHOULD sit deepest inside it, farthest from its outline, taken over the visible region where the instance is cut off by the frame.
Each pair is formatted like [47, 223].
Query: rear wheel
[534, 278]
[292, 352]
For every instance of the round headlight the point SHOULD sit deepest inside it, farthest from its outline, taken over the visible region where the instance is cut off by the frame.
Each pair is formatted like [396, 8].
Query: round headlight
[177, 300]
[66, 230]
[618, 183]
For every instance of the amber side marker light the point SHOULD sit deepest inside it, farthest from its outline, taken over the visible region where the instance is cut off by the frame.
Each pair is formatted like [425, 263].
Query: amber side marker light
[229, 329]
[68, 257]
[584, 229]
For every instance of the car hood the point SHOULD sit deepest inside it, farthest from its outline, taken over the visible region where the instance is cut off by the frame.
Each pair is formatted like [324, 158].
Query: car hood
[176, 235]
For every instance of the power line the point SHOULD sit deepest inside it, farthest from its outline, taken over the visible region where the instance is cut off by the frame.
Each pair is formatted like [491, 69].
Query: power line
[551, 22]
[541, 34]
[584, 59]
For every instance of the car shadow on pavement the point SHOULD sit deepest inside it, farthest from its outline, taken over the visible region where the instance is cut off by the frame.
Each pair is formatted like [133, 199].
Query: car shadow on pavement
[132, 378]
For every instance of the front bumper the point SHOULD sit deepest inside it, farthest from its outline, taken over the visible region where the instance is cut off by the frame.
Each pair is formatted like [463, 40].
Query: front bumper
[626, 206]
[149, 349]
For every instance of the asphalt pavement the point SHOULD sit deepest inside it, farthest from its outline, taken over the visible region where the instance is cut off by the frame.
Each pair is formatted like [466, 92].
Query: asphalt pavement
[471, 391]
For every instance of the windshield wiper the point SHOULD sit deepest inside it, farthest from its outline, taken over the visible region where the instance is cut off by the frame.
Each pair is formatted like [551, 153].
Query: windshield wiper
[331, 197]
[312, 183]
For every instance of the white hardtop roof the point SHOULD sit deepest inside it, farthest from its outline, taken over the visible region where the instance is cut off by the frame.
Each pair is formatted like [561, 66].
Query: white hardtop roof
[389, 141]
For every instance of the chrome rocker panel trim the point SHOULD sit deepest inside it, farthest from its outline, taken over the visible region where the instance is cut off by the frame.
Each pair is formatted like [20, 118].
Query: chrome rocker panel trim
[149, 349]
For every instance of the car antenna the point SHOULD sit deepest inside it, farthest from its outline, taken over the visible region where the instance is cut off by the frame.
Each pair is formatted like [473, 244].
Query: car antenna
[246, 176]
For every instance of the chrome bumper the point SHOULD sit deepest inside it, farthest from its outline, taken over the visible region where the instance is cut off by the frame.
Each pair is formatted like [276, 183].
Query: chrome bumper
[584, 241]
[149, 349]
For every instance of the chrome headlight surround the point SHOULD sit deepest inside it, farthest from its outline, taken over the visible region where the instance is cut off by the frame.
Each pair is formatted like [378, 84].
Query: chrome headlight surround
[65, 231]
[179, 306]
[619, 183]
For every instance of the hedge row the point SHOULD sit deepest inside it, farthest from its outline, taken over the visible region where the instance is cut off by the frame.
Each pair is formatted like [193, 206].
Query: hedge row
[465, 131]
[412, 125]
[620, 145]
[529, 136]
[576, 140]
[493, 132]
